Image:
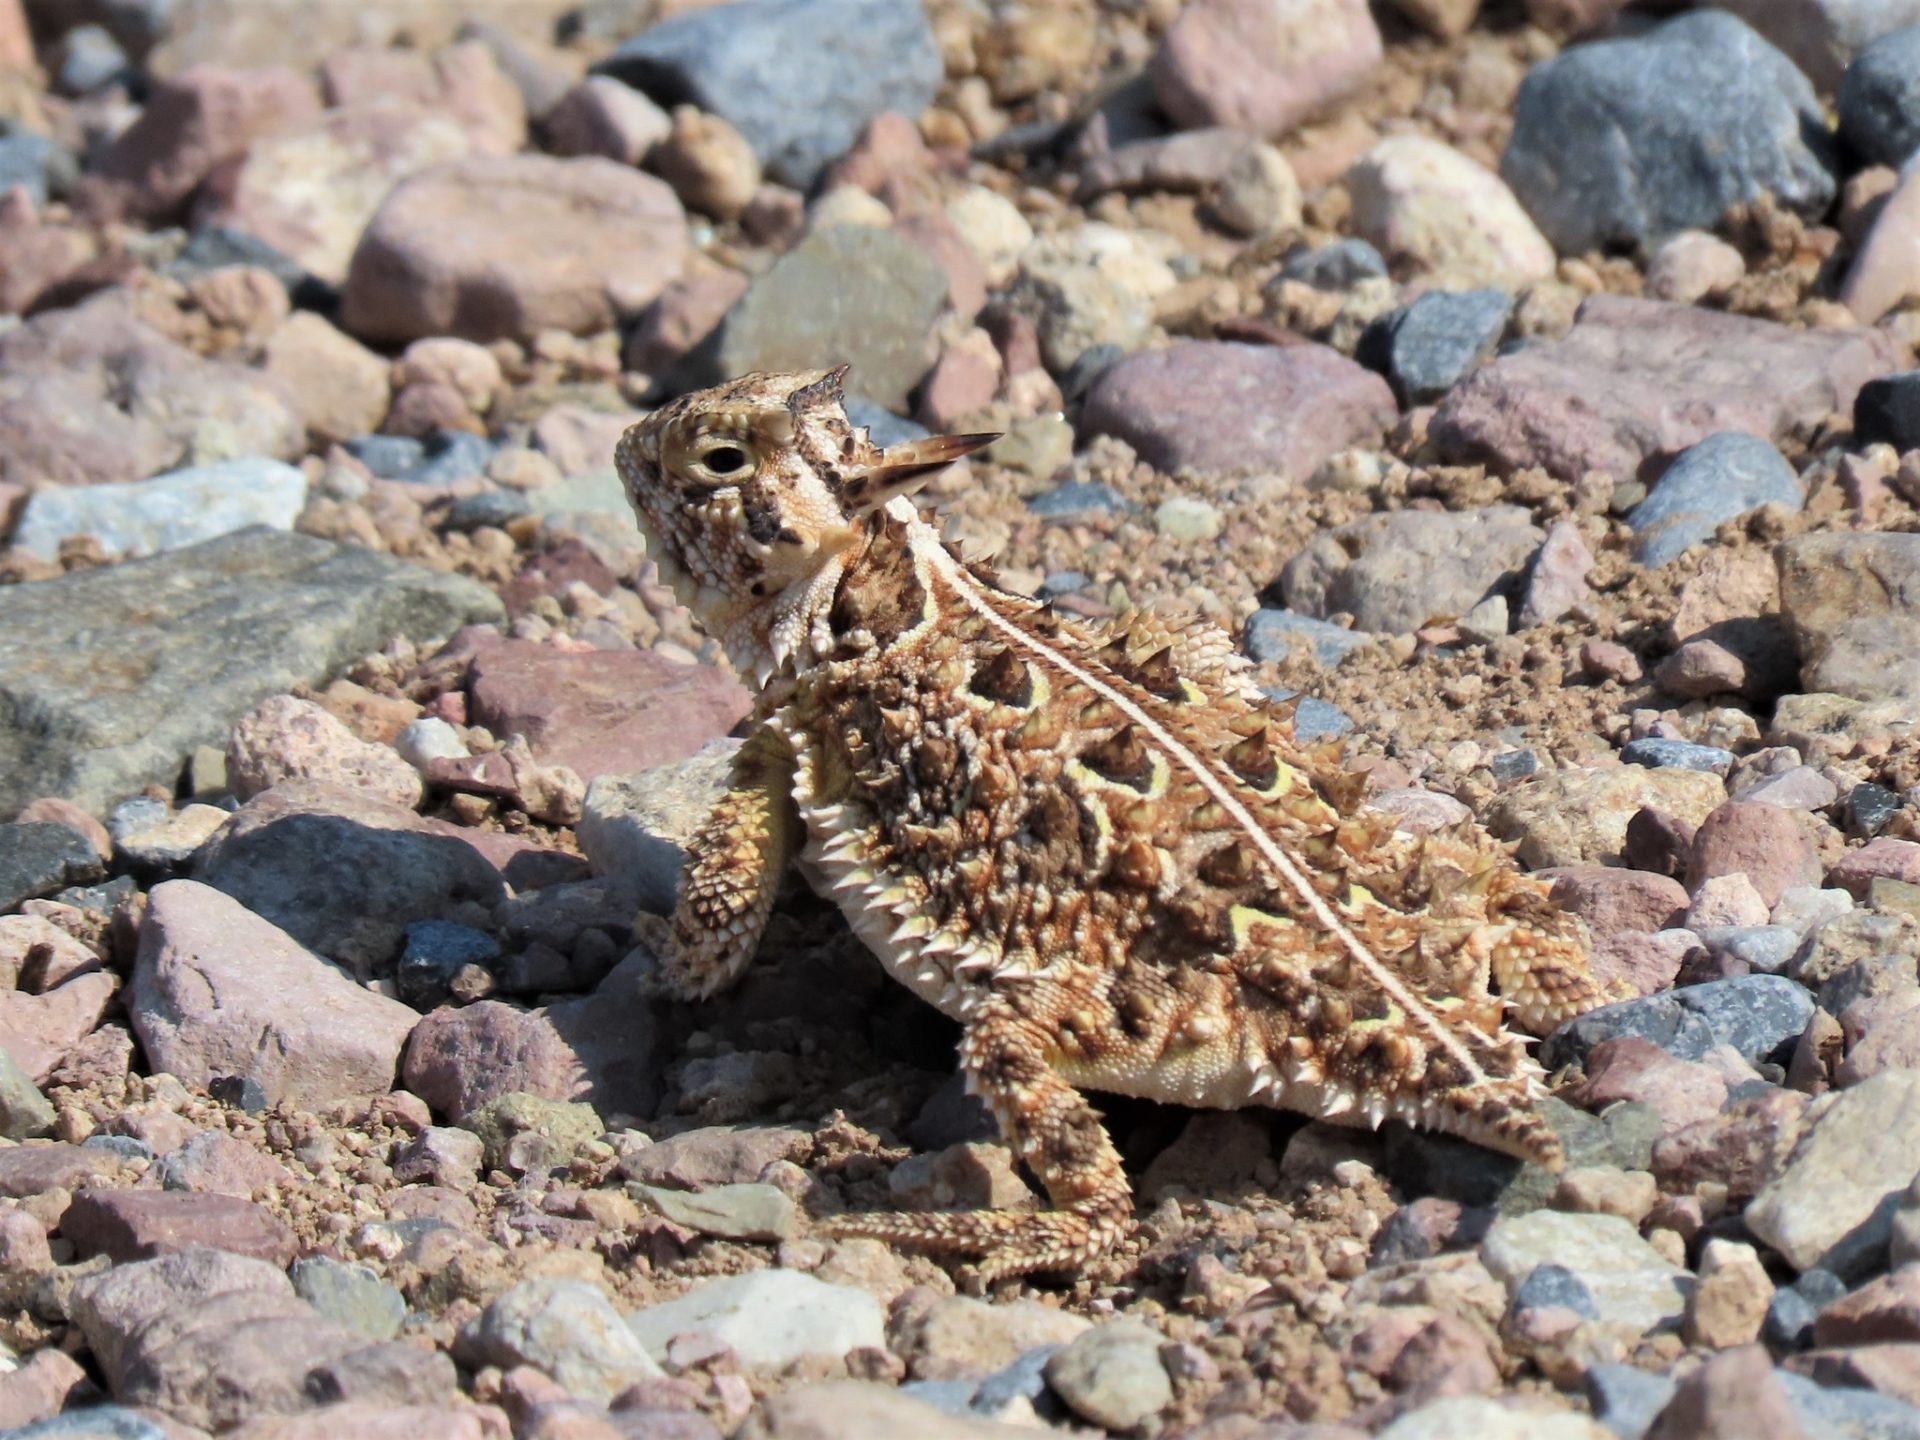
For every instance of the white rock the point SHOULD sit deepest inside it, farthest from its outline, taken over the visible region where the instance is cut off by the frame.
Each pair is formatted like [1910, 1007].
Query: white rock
[770, 1317]
[1631, 1283]
[1426, 206]
[145, 517]
[429, 738]
[994, 229]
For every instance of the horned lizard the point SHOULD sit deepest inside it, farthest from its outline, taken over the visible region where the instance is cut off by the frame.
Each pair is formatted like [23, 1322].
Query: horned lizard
[1100, 849]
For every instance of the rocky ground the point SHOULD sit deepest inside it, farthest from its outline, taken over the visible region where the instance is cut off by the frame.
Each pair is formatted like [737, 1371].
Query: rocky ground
[1534, 389]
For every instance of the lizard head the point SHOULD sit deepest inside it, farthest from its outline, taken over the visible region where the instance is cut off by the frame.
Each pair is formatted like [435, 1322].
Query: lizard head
[752, 487]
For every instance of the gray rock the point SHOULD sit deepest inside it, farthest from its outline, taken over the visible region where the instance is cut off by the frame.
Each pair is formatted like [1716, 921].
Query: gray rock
[798, 78]
[150, 837]
[1852, 604]
[1763, 948]
[637, 826]
[1879, 100]
[1722, 477]
[859, 1410]
[726, 1212]
[883, 426]
[770, 1318]
[104, 703]
[1624, 141]
[849, 293]
[351, 1295]
[1112, 1375]
[1843, 1413]
[1657, 753]
[214, 247]
[1761, 1016]
[88, 57]
[564, 1328]
[1426, 348]
[1074, 500]
[1556, 1286]
[37, 857]
[183, 507]
[1626, 1398]
[1887, 410]
[101, 1422]
[1629, 1281]
[1313, 718]
[24, 159]
[1275, 634]
[441, 459]
[24, 1111]
[1337, 266]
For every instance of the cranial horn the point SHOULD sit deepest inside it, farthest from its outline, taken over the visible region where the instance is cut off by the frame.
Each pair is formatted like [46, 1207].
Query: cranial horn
[902, 469]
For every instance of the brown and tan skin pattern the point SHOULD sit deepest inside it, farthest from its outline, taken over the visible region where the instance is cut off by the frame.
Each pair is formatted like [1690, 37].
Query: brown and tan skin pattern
[1099, 849]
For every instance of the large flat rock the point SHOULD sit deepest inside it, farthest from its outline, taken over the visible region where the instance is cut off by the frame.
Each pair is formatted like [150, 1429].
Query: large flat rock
[109, 678]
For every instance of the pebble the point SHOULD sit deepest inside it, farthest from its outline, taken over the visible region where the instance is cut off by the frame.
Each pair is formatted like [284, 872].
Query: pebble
[710, 165]
[1395, 572]
[1692, 265]
[1733, 1396]
[855, 1410]
[140, 1224]
[1851, 601]
[341, 388]
[25, 1113]
[1557, 579]
[1223, 406]
[1885, 274]
[1886, 411]
[525, 1133]
[436, 951]
[1426, 348]
[1830, 1205]
[770, 1318]
[1721, 478]
[1276, 634]
[1481, 1418]
[1620, 141]
[1259, 195]
[714, 1155]
[726, 1212]
[1445, 218]
[1338, 265]
[145, 517]
[1870, 807]
[1760, 1016]
[798, 78]
[442, 458]
[566, 1329]
[39, 857]
[606, 117]
[1635, 379]
[1261, 66]
[441, 1155]
[464, 249]
[1629, 1281]
[1731, 1298]
[1581, 817]
[1879, 100]
[148, 835]
[1112, 1375]
[1657, 752]
[1794, 1308]
[1090, 291]
[1072, 501]
[285, 739]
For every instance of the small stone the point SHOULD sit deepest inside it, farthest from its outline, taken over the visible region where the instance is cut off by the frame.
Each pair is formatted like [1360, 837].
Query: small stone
[1725, 900]
[710, 165]
[1879, 99]
[726, 1212]
[1791, 1315]
[1763, 842]
[339, 386]
[1850, 602]
[39, 857]
[770, 1318]
[1730, 1300]
[288, 739]
[1734, 1396]
[350, 1295]
[1112, 1375]
[1629, 1281]
[24, 1112]
[1337, 266]
[1277, 634]
[564, 1328]
[1398, 571]
[129, 1225]
[1887, 411]
[1426, 348]
[1721, 478]
[1186, 518]
[148, 835]
[1259, 66]
[1258, 195]
[605, 117]
[521, 1132]
[1660, 753]
[1693, 265]
[441, 1155]
[1440, 216]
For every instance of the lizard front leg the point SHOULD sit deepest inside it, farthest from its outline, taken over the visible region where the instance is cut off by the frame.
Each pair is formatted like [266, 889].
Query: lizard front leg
[732, 872]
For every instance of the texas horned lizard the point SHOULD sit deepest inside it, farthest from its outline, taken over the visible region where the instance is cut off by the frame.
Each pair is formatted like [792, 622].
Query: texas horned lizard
[1100, 849]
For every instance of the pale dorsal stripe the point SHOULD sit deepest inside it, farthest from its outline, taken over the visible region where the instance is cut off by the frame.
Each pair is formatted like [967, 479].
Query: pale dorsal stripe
[926, 544]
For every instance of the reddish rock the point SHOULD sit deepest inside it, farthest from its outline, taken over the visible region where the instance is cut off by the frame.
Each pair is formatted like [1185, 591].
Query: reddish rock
[603, 712]
[1262, 65]
[35, 257]
[686, 313]
[35, 1169]
[423, 408]
[1221, 406]
[1638, 380]
[1733, 1396]
[1629, 1068]
[889, 160]
[1658, 843]
[605, 117]
[932, 232]
[365, 1420]
[200, 119]
[141, 1224]
[547, 573]
[1763, 842]
[39, 1031]
[1611, 899]
[1885, 856]
[1892, 1369]
[463, 82]
[467, 249]
[214, 1162]
[1445, 1357]
[220, 991]
[40, 1388]
[1881, 1032]
[1742, 1147]
[1557, 581]
[1885, 1309]
[963, 381]
[1700, 668]
[285, 739]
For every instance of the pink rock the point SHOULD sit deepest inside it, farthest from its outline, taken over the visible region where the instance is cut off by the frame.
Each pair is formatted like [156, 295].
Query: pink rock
[577, 439]
[1892, 1368]
[471, 370]
[1700, 668]
[40, 1388]
[1558, 580]
[603, 116]
[219, 991]
[1742, 1147]
[1608, 660]
[27, 1170]
[285, 739]
[462, 81]
[34, 257]
[1611, 899]
[426, 406]
[1882, 1032]
[1734, 1396]
[200, 119]
[601, 712]
[1191, 162]
[36, 954]
[1726, 900]
[889, 159]
[962, 382]
[65, 812]
[371, 1421]
[1639, 379]
[1262, 65]
[1886, 1309]
[1629, 1068]
[1886, 270]
[1855, 871]
[684, 315]
[1447, 1356]
[214, 1162]
[966, 278]
[467, 249]
[140, 1224]
[39, 1031]
[1222, 406]
[1763, 842]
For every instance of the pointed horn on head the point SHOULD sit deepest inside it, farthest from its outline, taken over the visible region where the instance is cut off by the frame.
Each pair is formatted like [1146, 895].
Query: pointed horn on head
[824, 391]
[902, 469]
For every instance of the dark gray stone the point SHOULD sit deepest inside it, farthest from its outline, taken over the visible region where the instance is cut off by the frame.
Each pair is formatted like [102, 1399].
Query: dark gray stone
[498, 508]
[1791, 1312]
[436, 951]
[1554, 1286]
[1722, 477]
[1879, 100]
[1273, 634]
[1870, 808]
[1623, 142]
[24, 160]
[1761, 1016]
[798, 78]
[109, 678]
[1338, 266]
[39, 857]
[1626, 1398]
[103, 1422]
[1073, 500]
[1659, 753]
[1426, 348]
[1888, 410]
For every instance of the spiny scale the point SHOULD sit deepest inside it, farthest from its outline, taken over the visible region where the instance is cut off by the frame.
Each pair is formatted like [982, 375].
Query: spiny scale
[1098, 848]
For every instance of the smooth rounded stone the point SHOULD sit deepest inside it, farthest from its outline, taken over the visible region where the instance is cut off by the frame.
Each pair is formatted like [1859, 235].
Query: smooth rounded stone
[769, 1317]
[1765, 949]
[1262, 66]
[1622, 141]
[25, 1113]
[1636, 379]
[1851, 601]
[714, 1155]
[726, 1212]
[1692, 265]
[1887, 411]
[799, 79]
[1112, 1375]
[1440, 216]
[145, 517]
[1879, 100]
[637, 826]
[1426, 348]
[1185, 517]
[1259, 195]
[1338, 265]
[1478, 1417]
[1794, 1308]
[959, 1337]
[149, 835]
[1721, 478]
[1772, 847]
[435, 952]
[1629, 1281]
[38, 857]
[340, 387]
[1734, 1395]
[606, 117]
[866, 297]
[219, 991]
[1396, 572]
[497, 508]
[858, 1410]
[1833, 1203]
[1223, 407]
[1575, 817]
[1276, 634]
[465, 249]
[225, 624]
[1760, 1016]
[1885, 274]
[1611, 899]
[285, 738]
[567, 1329]
[429, 738]
[1657, 752]
[1072, 501]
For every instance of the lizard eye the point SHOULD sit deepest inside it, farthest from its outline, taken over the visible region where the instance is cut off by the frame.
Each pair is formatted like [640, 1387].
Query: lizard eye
[726, 462]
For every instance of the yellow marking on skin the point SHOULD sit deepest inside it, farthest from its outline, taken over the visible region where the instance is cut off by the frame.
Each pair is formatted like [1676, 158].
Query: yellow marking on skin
[1243, 918]
[1158, 776]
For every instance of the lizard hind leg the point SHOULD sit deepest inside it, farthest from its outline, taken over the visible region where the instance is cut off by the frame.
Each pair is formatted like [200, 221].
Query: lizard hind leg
[1057, 1133]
